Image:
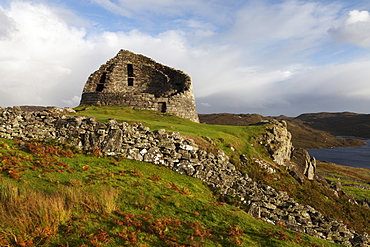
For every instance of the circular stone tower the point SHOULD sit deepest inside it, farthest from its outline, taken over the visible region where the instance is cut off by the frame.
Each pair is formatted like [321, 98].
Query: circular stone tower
[139, 82]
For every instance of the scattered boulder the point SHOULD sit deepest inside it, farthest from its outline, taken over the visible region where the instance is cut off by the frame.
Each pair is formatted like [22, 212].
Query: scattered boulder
[305, 164]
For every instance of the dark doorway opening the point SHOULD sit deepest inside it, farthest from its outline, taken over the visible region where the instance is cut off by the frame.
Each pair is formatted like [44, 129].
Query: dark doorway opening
[130, 81]
[162, 107]
[130, 70]
[99, 87]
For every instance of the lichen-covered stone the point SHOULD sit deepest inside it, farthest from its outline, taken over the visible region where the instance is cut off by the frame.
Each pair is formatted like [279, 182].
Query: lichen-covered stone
[278, 142]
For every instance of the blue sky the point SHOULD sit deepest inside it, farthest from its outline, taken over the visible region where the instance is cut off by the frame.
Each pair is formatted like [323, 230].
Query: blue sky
[253, 56]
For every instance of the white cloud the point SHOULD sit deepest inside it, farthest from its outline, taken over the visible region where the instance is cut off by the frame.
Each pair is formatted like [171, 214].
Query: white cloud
[265, 24]
[39, 56]
[6, 25]
[113, 7]
[258, 64]
[205, 104]
[75, 100]
[356, 16]
[355, 30]
[166, 14]
[159, 7]
[341, 87]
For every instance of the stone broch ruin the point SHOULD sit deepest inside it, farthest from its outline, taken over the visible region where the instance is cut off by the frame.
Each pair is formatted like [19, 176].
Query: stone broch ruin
[139, 82]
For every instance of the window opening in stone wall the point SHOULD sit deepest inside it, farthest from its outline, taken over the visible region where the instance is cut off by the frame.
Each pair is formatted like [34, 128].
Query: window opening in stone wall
[130, 81]
[162, 107]
[99, 87]
[130, 70]
[103, 77]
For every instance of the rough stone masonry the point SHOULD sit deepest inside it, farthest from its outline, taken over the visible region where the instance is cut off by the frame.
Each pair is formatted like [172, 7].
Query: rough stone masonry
[139, 82]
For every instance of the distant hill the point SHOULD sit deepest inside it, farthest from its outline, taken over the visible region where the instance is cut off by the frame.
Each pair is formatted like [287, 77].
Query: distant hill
[339, 124]
[306, 132]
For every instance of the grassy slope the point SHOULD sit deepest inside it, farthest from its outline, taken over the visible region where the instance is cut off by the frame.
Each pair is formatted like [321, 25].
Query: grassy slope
[303, 136]
[227, 138]
[309, 138]
[347, 175]
[105, 202]
[242, 139]
[54, 196]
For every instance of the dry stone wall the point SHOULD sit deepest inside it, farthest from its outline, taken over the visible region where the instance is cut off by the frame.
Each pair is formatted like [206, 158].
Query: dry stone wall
[183, 156]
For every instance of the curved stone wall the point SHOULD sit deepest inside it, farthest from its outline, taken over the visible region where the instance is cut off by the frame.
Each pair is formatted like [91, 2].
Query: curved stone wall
[139, 82]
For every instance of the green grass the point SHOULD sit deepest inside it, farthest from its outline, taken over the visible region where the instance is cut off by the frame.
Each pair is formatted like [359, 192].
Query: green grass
[55, 196]
[242, 139]
[357, 193]
[344, 180]
[360, 174]
[227, 138]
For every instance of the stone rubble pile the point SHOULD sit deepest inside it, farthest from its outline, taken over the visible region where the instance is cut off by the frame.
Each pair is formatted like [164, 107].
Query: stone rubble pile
[183, 156]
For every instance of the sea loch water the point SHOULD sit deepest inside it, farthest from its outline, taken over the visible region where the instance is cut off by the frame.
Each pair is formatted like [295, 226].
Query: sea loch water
[353, 156]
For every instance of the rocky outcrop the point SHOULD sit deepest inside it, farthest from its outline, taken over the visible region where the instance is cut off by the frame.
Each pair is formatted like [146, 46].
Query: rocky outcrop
[278, 142]
[182, 155]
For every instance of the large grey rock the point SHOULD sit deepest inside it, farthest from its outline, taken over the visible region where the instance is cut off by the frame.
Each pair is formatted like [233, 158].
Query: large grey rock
[305, 164]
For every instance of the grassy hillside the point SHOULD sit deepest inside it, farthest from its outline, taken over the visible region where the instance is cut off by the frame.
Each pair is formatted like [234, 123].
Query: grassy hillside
[304, 135]
[237, 140]
[234, 140]
[52, 195]
[348, 177]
